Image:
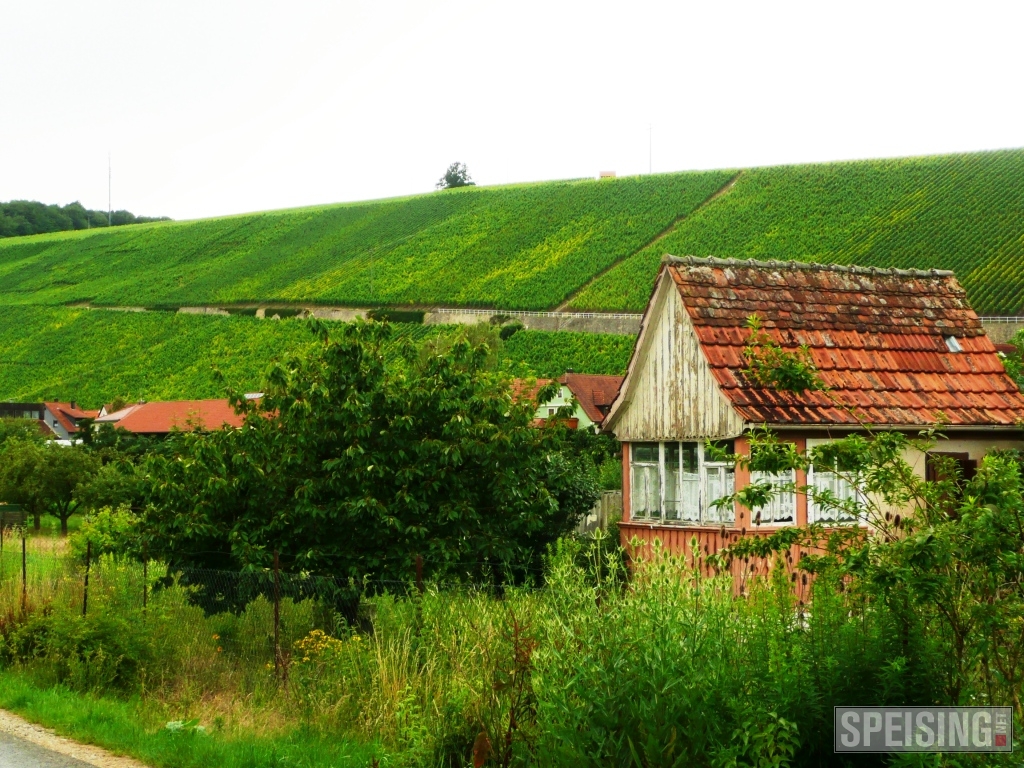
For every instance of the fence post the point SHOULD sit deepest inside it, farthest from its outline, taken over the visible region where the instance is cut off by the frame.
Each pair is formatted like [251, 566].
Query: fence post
[88, 562]
[419, 574]
[24, 574]
[277, 614]
[145, 580]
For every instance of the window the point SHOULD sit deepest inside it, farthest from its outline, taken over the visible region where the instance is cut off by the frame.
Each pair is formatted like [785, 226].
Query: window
[828, 481]
[682, 482]
[645, 480]
[782, 507]
[679, 482]
[719, 481]
[827, 478]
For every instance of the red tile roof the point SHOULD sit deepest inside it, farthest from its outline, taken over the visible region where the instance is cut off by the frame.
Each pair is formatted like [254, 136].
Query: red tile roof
[68, 415]
[594, 393]
[877, 336]
[162, 417]
[528, 389]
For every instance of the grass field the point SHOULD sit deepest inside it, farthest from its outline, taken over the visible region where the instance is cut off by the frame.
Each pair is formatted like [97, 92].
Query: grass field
[93, 356]
[523, 246]
[959, 212]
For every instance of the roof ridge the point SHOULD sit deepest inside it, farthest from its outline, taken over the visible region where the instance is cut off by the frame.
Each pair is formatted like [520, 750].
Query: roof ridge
[716, 261]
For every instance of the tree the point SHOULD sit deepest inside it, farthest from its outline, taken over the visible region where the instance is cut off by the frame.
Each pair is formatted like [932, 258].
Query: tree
[457, 175]
[20, 429]
[45, 478]
[352, 465]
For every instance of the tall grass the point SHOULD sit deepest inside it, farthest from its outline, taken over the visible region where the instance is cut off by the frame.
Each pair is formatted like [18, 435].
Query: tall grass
[663, 667]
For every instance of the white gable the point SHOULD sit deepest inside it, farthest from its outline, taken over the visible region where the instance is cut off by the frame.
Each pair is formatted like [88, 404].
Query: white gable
[670, 392]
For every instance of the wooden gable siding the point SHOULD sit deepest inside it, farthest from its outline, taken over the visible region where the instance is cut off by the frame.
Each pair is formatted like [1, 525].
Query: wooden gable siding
[670, 391]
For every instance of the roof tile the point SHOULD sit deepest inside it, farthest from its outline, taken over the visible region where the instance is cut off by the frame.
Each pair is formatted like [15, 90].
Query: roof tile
[877, 337]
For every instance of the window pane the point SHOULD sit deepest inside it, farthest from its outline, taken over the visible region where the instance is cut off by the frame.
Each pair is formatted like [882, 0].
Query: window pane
[839, 487]
[690, 457]
[672, 484]
[714, 449]
[782, 507]
[720, 482]
[644, 452]
[645, 491]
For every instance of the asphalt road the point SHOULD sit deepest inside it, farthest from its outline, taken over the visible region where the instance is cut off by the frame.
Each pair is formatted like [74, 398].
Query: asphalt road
[18, 753]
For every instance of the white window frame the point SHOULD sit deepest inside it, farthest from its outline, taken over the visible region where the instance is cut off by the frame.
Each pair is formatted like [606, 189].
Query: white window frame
[812, 508]
[774, 510]
[705, 513]
[813, 511]
[633, 464]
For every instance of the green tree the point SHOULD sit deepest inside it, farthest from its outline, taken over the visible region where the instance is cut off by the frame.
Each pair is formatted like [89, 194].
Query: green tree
[353, 465]
[45, 478]
[457, 175]
[20, 429]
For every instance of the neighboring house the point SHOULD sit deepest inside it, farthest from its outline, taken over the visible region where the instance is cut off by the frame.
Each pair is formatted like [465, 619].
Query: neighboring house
[161, 418]
[898, 350]
[61, 420]
[591, 394]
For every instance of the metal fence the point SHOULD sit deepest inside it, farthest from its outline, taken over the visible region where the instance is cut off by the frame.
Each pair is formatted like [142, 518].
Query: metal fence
[250, 616]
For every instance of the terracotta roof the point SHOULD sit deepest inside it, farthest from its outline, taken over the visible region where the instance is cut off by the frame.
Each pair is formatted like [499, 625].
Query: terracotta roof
[162, 417]
[68, 415]
[528, 389]
[877, 336]
[594, 393]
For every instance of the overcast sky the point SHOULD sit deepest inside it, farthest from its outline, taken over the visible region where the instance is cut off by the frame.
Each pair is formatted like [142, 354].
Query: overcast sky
[219, 107]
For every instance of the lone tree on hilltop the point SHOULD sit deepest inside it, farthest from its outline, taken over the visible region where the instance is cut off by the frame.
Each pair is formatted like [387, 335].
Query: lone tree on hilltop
[457, 175]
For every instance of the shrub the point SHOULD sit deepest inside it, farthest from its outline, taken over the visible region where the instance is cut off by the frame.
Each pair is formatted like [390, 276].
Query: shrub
[109, 531]
[97, 652]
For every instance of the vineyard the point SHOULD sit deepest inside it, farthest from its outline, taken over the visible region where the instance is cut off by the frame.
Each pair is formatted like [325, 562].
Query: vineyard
[93, 356]
[517, 247]
[959, 212]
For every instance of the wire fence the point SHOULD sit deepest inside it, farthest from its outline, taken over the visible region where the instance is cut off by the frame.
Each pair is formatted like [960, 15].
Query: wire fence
[250, 616]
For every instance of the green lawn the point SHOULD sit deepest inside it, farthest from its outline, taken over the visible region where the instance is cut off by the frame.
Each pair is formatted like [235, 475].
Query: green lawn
[138, 728]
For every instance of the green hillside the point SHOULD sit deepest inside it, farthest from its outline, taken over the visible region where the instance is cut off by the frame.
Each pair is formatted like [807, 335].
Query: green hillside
[93, 356]
[959, 212]
[516, 247]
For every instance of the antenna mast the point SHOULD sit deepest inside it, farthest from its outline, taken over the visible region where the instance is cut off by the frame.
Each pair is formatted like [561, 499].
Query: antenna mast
[650, 150]
[110, 208]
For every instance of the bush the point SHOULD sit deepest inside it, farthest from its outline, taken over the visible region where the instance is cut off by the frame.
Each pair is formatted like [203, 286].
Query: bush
[110, 531]
[610, 475]
[97, 652]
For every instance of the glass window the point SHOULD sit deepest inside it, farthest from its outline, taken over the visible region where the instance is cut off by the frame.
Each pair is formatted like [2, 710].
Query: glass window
[692, 483]
[672, 481]
[719, 481]
[782, 507]
[645, 481]
[689, 484]
[829, 491]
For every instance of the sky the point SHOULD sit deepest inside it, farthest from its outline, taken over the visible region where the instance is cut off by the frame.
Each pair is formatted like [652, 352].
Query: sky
[220, 107]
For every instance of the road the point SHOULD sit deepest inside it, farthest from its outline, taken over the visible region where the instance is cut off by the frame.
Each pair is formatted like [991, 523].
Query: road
[15, 752]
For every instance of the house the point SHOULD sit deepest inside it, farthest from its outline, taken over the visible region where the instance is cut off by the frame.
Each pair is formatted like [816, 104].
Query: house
[898, 350]
[61, 420]
[161, 418]
[592, 395]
